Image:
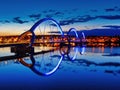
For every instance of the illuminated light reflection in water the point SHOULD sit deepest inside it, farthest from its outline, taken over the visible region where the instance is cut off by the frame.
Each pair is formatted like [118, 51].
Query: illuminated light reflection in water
[97, 69]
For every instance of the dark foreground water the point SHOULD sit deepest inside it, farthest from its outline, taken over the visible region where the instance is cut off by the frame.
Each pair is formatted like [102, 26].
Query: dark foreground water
[97, 69]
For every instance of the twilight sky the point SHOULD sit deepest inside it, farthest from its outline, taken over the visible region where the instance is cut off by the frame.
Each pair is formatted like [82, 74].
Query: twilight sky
[17, 16]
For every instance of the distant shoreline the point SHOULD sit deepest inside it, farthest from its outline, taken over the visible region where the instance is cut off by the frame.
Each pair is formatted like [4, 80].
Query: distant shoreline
[90, 40]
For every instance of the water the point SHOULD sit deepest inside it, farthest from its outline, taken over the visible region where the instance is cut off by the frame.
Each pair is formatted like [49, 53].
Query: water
[97, 69]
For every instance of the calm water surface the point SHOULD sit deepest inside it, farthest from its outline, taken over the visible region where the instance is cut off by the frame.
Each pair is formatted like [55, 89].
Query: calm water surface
[97, 69]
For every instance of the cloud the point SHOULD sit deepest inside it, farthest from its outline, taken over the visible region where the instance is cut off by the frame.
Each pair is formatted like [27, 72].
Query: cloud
[87, 18]
[54, 13]
[44, 11]
[51, 10]
[110, 17]
[116, 8]
[35, 16]
[4, 21]
[18, 20]
[94, 10]
[58, 13]
[66, 22]
[109, 9]
[49, 15]
[112, 26]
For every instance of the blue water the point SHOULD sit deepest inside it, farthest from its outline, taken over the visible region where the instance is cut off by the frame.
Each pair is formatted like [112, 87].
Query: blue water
[97, 69]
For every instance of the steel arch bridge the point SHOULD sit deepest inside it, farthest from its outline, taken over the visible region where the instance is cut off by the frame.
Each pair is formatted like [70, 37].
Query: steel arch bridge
[40, 28]
[46, 29]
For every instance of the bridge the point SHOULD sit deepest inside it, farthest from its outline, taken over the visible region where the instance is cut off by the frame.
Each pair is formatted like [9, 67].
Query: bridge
[47, 28]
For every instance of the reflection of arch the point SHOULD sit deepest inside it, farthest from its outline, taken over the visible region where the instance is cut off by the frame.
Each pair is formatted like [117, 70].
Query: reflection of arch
[75, 51]
[35, 67]
[37, 71]
[22, 61]
[67, 50]
[64, 49]
[82, 50]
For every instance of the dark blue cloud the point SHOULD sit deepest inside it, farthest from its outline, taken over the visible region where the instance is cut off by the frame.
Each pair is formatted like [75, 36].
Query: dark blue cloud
[4, 21]
[58, 13]
[110, 17]
[87, 18]
[35, 16]
[18, 20]
[49, 15]
[114, 9]
[67, 22]
[112, 26]
[51, 10]
[48, 11]
[118, 9]
[7, 21]
[94, 10]
[109, 9]
[53, 13]
[44, 11]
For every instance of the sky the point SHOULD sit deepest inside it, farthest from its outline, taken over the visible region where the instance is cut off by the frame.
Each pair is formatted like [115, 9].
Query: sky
[17, 16]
